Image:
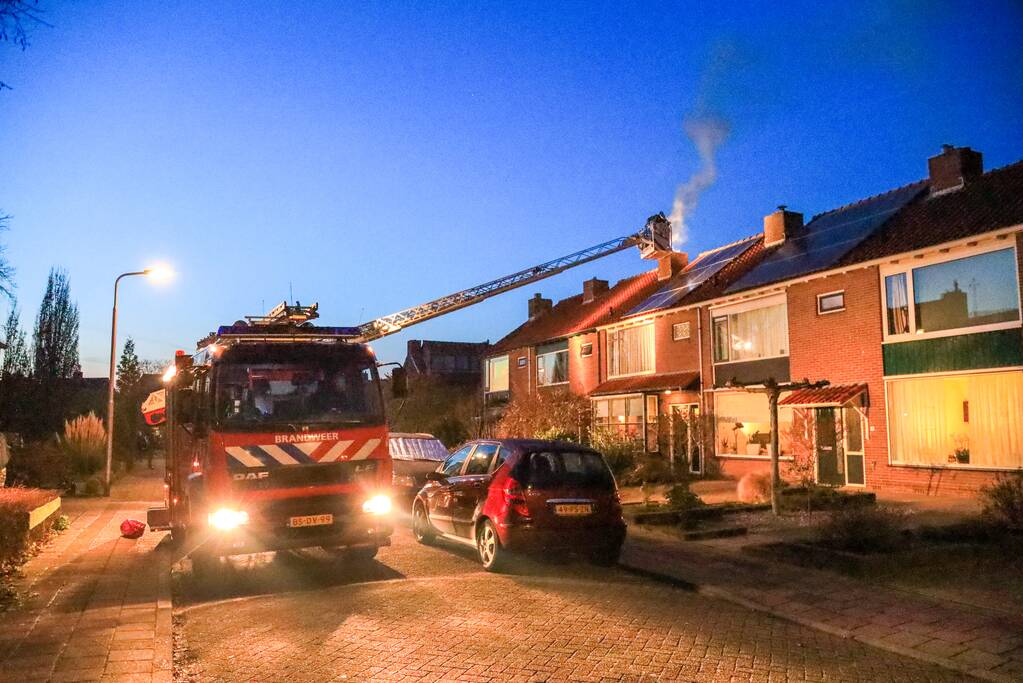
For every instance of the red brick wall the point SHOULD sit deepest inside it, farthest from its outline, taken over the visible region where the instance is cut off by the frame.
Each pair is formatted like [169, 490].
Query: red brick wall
[583, 373]
[671, 355]
[520, 380]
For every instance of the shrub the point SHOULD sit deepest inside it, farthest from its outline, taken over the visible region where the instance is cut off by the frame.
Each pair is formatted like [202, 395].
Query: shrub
[84, 440]
[545, 412]
[1003, 501]
[754, 487]
[863, 529]
[680, 497]
[61, 523]
[39, 465]
[650, 469]
[451, 431]
[15, 503]
[618, 449]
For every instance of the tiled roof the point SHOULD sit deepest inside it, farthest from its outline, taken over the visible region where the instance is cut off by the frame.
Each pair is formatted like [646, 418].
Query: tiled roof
[837, 395]
[629, 385]
[827, 238]
[990, 202]
[571, 316]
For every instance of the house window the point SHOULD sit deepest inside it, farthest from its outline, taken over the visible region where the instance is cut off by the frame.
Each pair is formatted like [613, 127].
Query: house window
[622, 414]
[586, 350]
[497, 374]
[979, 291]
[973, 420]
[552, 364]
[630, 351]
[743, 425]
[832, 302]
[521, 362]
[680, 331]
[751, 334]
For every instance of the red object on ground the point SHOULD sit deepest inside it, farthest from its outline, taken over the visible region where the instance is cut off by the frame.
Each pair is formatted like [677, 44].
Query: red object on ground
[132, 528]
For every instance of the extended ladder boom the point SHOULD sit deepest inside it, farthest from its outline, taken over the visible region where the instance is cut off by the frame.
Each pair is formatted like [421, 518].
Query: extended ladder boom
[653, 239]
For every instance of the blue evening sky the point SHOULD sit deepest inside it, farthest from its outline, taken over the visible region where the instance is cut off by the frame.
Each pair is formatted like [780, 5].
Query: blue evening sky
[374, 156]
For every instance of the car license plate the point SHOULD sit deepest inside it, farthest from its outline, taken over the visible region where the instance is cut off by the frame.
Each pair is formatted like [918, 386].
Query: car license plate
[572, 509]
[311, 520]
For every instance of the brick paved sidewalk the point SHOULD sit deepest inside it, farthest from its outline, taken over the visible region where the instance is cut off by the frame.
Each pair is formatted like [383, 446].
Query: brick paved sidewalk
[955, 636]
[99, 605]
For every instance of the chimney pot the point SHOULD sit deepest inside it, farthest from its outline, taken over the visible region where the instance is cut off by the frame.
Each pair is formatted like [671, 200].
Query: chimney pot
[780, 225]
[593, 288]
[539, 305]
[671, 264]
[953, 168]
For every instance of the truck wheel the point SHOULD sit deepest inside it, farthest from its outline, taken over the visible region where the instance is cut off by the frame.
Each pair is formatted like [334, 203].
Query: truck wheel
[488, 545]
[422, 530]
[203, 563]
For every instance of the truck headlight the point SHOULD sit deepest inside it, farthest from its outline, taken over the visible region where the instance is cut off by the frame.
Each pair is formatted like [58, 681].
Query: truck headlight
[377, 505]
[226, 519]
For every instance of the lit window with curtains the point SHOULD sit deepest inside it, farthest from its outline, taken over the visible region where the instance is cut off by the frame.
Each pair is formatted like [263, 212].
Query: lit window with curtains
[621, 414]
[743, 425]
[630, 351]
[957, 420]
[751, 334]
[552, 364]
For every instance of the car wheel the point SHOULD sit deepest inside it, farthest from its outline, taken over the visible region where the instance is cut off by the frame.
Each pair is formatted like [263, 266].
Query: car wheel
[364, 554]
[421, 527]
[606, 557]
[488, 545]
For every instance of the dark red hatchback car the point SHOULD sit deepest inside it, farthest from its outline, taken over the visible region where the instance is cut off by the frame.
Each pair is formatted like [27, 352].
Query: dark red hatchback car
[509, 495]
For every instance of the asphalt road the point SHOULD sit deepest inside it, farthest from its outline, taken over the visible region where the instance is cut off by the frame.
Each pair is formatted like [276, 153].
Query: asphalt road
[429, 614]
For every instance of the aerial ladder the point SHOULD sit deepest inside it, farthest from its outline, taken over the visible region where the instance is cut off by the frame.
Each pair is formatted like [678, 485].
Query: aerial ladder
[653, 240]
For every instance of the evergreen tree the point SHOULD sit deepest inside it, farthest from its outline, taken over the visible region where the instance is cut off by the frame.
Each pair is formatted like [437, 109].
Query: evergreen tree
[16, 363]
[55, 338]
[129, 370]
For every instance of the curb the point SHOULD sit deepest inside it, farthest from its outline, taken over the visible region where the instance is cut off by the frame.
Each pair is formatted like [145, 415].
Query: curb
[728, 596]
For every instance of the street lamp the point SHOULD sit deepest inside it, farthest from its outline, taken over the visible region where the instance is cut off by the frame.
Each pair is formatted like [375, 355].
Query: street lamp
[160, 274]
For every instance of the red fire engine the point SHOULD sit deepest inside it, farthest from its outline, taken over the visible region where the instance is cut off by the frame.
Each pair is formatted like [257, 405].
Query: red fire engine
[276, 439]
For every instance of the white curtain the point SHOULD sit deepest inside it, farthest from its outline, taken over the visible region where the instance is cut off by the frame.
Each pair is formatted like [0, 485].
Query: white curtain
[930, 417]
[759, 333]
[631, 350]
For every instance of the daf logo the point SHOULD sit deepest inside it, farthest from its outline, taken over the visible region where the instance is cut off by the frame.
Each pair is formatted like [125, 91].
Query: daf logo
[250, 475]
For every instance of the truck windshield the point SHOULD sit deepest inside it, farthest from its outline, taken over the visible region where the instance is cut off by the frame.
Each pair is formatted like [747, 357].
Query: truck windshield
[268, 392]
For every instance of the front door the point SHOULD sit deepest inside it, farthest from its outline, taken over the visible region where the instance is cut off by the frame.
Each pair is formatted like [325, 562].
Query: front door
[830, 468]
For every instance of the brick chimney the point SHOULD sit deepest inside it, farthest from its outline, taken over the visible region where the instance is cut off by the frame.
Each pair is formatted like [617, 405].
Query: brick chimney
[780, 225]
[592, 289]
[671, 264]
[539, 305]
[953, 168]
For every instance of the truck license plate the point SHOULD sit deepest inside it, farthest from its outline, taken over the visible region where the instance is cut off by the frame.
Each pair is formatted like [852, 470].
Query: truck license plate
[311, 520]
[572, 509]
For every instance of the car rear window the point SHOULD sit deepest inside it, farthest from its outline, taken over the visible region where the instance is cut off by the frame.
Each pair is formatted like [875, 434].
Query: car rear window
[416, 448]
[553, 469]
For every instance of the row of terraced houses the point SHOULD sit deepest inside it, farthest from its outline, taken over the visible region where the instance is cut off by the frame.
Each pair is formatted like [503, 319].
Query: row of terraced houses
[907, 303]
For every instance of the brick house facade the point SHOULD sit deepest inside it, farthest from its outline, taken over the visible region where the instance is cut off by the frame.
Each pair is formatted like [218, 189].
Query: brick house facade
[908, 299]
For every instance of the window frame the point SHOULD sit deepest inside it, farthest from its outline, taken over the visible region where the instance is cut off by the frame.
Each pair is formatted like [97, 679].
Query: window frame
[653, 349]
[679, 326]
[538, 368]
[782, 457]
[888, 379]
[829, 311]
[521, 362]
[507, 376]
[906, 267]
[586, 350]
[722, 313]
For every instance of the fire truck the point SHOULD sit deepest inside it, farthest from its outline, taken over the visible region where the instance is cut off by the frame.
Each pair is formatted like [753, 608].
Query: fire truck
[276, 439]
[276, 435]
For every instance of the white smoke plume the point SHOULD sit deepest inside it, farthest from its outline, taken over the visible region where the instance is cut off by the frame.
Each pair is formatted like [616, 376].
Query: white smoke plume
[707, 133]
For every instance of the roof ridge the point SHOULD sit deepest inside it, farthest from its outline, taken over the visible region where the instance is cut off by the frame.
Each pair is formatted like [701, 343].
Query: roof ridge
[871, 198]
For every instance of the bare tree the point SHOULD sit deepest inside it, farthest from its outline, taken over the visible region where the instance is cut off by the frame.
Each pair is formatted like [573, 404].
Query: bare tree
[6, 271]
[16, 19]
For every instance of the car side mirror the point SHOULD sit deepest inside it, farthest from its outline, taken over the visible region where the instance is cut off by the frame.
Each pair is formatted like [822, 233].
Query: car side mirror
[436, 476]
[399, 383]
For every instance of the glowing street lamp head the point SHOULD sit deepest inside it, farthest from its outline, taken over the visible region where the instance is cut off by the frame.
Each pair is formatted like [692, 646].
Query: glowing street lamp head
[159, 273]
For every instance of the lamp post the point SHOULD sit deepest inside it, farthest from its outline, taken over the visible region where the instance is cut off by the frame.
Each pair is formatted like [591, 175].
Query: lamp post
[152, 272]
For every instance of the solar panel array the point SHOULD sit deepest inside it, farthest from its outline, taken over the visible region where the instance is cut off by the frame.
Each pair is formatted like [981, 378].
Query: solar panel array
[827, 238]
[698, 272]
